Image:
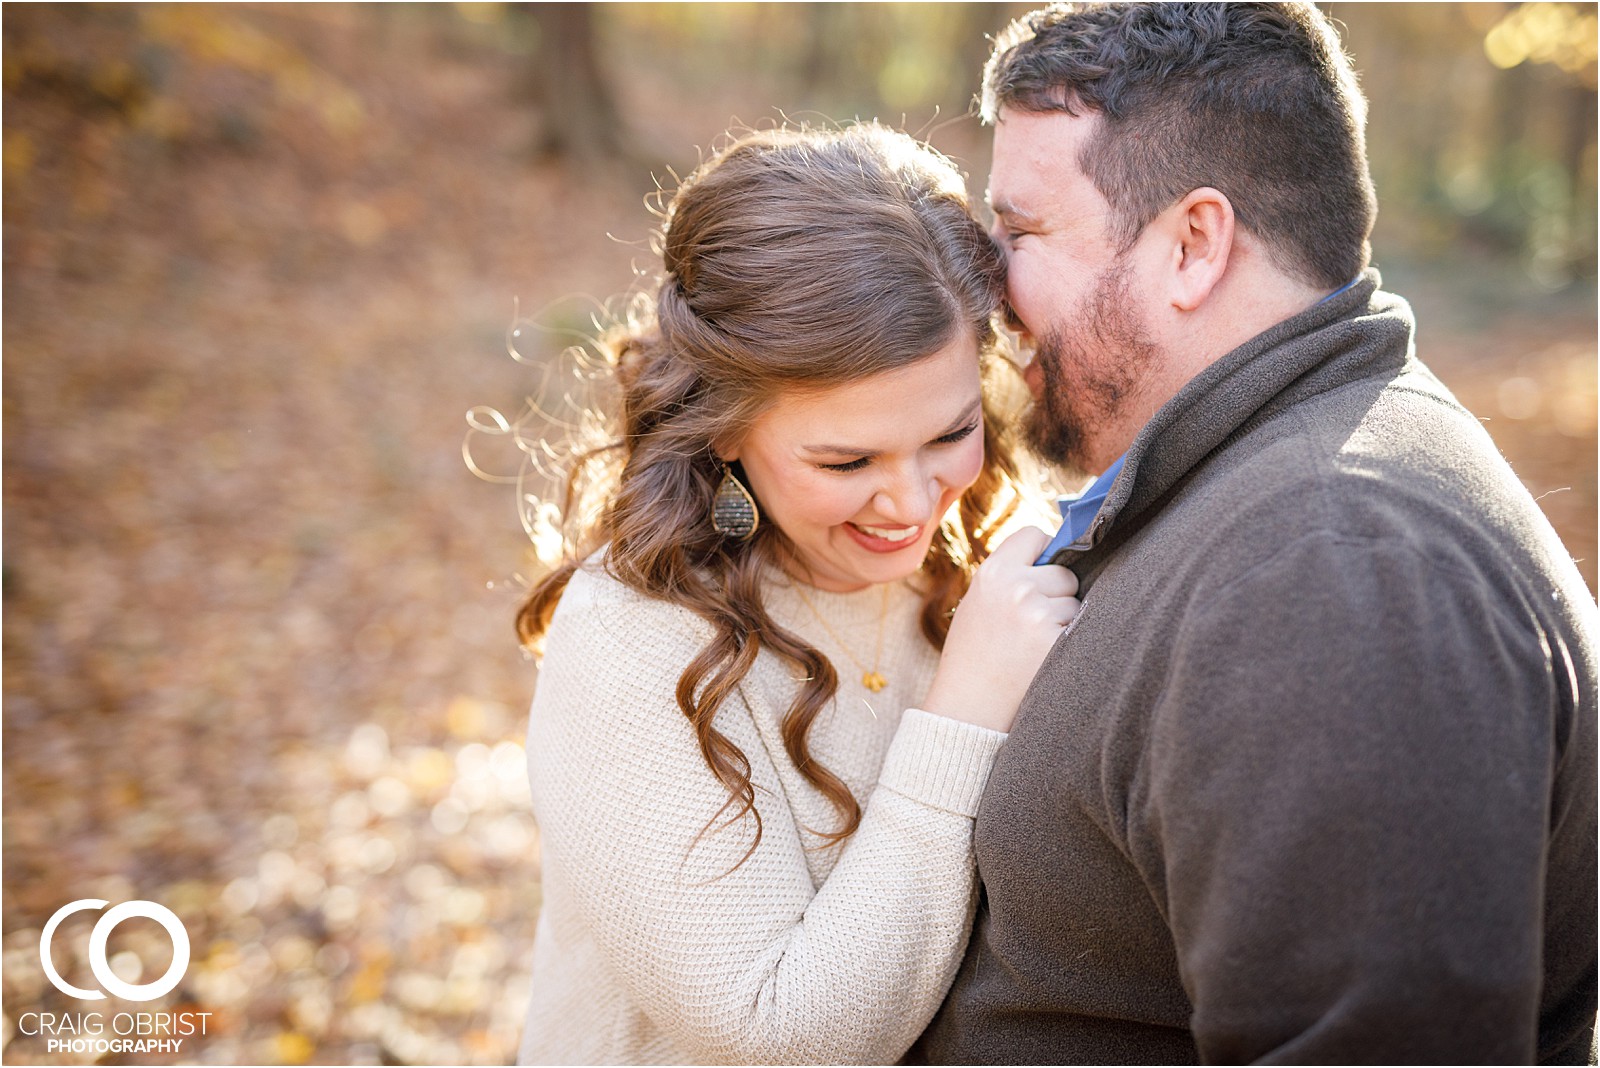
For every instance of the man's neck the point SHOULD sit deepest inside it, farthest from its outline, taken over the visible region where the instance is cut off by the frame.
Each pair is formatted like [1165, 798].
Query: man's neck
[1250, 301]
[1253, 298]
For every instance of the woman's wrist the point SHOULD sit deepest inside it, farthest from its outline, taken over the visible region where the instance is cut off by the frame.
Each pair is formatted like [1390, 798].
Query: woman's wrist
[940, 761]
[969, 702]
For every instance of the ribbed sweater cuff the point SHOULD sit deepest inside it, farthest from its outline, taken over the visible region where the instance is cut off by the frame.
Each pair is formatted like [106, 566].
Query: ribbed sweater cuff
[940, 761]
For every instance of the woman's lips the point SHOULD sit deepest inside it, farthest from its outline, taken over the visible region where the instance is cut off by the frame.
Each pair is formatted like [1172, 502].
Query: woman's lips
[872, 538]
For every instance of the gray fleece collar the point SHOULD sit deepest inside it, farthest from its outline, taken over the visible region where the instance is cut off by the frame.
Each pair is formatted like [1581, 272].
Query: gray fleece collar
[1357, 333]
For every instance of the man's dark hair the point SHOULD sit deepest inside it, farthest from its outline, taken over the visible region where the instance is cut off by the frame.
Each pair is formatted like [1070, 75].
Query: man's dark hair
[1255, 100]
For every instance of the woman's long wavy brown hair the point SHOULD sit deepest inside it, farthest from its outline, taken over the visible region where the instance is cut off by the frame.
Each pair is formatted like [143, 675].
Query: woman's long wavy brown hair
[794, 259]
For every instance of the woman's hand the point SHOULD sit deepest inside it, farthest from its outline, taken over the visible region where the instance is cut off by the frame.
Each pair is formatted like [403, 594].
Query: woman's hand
[1006, 624]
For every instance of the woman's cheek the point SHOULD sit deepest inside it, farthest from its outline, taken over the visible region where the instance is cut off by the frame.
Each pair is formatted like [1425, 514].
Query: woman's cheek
[829, 499]
[970, 463]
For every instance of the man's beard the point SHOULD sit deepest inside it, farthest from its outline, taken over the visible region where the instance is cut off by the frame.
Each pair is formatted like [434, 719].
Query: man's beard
[1091, 368]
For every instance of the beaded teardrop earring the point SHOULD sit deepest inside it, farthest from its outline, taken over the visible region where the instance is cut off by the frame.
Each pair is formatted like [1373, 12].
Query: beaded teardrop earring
[733, 510]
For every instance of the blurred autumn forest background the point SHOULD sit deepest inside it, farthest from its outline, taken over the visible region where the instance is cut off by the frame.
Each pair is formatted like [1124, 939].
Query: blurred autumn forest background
[258, 262]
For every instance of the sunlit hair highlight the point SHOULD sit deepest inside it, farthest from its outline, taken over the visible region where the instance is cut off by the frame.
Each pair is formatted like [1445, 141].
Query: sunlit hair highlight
[793, 259]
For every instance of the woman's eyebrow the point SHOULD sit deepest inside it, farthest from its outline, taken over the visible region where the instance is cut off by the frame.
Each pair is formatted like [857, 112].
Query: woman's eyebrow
[846, 450]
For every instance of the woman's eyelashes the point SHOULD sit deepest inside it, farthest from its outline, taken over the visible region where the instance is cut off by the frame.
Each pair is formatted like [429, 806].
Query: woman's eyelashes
[957, 435]
[948, 439]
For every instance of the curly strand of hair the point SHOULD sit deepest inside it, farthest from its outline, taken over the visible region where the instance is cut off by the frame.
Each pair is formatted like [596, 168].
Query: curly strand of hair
[581, 484]
[702, 688]
[821, 683]
[735, 608]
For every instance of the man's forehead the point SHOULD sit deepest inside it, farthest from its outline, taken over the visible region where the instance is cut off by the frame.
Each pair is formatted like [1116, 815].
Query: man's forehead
[1002, 192]
[1035, 156]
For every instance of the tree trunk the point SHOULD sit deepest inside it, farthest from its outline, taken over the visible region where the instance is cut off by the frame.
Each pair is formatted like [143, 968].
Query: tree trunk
[580, 120]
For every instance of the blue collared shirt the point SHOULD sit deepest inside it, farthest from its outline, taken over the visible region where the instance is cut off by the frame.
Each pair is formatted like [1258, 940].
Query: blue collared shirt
[1078, 512]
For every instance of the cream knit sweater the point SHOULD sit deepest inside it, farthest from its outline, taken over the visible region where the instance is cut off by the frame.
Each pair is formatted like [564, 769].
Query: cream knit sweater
[649, 950]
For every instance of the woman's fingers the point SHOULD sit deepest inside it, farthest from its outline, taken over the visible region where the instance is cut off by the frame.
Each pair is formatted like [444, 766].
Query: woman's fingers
[1009, 620]
[1064, 609]
[1053, 580]
[1023, 545]
[1021, 549]
[1051, 610]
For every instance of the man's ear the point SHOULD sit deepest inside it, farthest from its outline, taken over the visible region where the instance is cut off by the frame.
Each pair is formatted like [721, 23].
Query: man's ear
[1201, 226]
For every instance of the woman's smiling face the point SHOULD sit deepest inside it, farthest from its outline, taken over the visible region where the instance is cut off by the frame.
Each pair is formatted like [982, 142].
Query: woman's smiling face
[859, 476]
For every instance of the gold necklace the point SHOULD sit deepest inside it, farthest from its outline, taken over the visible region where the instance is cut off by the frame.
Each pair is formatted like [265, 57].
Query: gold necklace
[871, 677]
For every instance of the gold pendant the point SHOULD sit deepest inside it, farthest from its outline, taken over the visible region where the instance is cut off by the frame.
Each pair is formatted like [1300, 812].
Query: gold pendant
[874, 681]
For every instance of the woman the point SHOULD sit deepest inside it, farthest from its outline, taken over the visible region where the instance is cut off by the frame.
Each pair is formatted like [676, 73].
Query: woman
[754, 775]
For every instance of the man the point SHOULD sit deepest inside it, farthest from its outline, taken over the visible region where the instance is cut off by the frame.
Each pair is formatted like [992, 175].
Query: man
[1311, 778]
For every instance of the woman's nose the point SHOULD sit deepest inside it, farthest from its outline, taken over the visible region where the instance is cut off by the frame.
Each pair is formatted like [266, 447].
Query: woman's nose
[908, 498]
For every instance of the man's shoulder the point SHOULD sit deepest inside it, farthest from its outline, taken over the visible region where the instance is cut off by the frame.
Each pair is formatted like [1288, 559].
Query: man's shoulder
[1384, 430]
[1390, 469]
[1393, 459]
